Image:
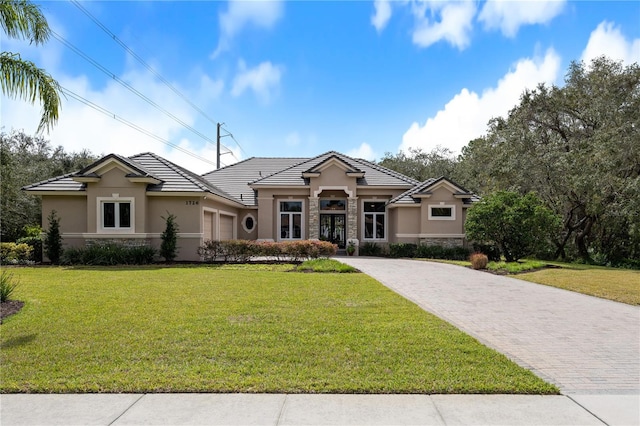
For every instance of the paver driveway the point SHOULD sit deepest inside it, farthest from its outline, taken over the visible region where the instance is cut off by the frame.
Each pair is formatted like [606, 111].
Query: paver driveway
[580, 343]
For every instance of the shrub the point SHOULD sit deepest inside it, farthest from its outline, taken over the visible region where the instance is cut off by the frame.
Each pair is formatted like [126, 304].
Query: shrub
[15, 253]
[430, 251]
[238, 250]
[440, 252]
[402, 250]
[371, 249]
[492, 251]
[269, 249]
[169, 246]
[519, 225]
[108, 254]
[210, 250]
[36, 247]
[479, 261]
[245, 250]
[53, 239]
[7, 285]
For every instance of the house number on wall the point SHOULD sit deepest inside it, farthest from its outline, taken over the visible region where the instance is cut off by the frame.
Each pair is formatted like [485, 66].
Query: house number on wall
[192, 203]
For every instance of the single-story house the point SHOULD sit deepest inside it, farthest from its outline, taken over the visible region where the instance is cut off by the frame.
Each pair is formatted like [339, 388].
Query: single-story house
[330, 197]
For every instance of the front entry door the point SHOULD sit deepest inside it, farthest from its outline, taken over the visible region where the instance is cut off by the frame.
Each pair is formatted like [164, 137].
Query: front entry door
[332, 228]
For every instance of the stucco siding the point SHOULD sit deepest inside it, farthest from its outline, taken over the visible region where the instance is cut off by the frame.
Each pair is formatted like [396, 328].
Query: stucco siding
[114, 185]
[71, 210]
[332, 177]
[442, 197]
[186, 209]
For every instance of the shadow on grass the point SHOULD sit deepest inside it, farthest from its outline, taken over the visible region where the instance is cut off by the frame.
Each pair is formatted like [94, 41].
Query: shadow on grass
[18, 341]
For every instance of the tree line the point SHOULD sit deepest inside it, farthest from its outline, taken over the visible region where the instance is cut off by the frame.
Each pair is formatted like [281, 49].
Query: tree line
[577, 147]
[25, 160]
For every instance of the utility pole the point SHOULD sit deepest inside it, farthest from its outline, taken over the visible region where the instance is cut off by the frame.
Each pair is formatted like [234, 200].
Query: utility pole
[218, 148]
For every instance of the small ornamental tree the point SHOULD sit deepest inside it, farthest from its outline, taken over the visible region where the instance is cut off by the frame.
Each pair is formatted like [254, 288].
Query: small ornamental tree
[53, 239]
[518, 225]
[169, 246]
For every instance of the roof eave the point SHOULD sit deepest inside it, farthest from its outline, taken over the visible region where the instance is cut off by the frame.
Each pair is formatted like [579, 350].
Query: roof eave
[86, 179]
[56, 192]
[144, 179]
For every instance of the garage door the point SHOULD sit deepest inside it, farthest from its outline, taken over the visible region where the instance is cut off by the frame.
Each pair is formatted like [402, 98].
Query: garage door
[209, 230]
[226, 227]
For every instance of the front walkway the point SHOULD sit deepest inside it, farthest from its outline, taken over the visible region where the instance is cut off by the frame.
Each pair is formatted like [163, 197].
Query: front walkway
[583, 344]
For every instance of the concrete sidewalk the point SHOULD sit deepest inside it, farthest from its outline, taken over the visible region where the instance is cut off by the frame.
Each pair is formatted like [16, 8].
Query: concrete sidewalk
[281, 409]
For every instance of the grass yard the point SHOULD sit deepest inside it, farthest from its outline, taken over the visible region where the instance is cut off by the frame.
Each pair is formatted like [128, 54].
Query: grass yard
[236, 329]
[620, 285]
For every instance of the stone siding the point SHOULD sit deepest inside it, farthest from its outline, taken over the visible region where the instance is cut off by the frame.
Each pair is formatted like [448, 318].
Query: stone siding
[443, 242]
[314, 218]
[352, 218]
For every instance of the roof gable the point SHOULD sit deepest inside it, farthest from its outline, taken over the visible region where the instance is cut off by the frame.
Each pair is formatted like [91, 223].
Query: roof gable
[334, 161]
[160, 175]
[426, 188]
[367, 173]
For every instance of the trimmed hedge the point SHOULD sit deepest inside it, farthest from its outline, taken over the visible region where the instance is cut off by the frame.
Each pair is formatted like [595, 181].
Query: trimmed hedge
[428, 251]
[108, 254]
[239, 251]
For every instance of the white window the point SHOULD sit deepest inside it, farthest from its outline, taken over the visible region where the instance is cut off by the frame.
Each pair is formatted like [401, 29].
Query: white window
[116, 214]
[375, 218]
[290, 220]
[442, 212]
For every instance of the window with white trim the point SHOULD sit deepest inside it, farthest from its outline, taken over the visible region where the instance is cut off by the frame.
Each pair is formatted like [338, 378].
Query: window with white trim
[442, 212]
[115, 215]
[290, 219]
[375, 218]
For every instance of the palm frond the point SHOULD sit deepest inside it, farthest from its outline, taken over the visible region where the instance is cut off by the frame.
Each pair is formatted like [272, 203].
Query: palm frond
[23, 79]
[24, 20]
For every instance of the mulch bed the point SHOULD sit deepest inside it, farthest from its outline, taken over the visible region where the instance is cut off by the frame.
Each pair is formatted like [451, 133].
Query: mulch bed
[9, 307]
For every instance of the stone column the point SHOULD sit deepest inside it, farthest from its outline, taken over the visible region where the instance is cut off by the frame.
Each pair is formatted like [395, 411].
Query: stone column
[352, 218]
[314, 218]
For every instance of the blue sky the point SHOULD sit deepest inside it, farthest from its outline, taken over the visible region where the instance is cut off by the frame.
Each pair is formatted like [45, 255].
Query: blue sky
[298, 78]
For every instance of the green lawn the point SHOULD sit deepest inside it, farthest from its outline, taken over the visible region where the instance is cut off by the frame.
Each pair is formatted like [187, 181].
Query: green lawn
[236, 329]
[620, 285]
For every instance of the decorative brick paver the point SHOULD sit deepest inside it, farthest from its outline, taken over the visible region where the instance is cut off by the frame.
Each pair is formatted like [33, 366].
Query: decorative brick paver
[582, 344]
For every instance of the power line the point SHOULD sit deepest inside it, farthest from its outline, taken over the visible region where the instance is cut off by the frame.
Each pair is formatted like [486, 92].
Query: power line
[237, 143]
[153, 71]
[133, 125]
[139, 59]
[128, 86]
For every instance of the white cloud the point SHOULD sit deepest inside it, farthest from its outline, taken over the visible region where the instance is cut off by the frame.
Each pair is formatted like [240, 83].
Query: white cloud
[382, 14]
[441, 20]
[292, 139]
[363, 151]
[241, 13]
[263, 80]
[465, 117]
[608, 40]
[82, 127]
[510, 15]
